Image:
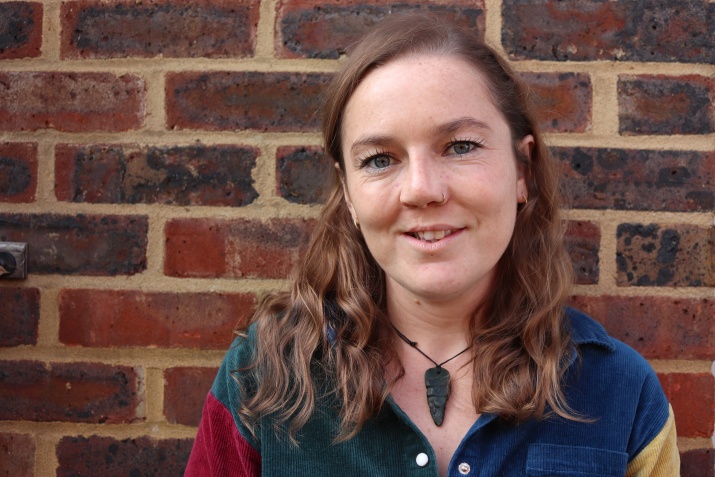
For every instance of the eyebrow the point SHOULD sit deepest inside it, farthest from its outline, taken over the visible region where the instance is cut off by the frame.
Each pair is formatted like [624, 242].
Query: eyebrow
[449, 127]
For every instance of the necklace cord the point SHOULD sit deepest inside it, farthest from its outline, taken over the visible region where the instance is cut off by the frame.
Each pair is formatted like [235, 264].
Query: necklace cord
[413, 344]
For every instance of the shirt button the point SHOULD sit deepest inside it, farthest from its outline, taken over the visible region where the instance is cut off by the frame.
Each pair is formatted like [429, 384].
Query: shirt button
[422, 459]
[464, 468]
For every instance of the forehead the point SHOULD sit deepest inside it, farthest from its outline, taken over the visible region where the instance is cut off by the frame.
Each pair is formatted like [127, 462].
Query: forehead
[417, 89]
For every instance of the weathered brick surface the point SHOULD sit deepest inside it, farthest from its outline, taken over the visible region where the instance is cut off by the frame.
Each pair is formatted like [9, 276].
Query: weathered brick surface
[110, 457]
[693, 399]
[72, 102]
[186, 175]
[657, 327]
[20, 30]
[325, 29]
[210, 28]
[595, 30]
[583, 240]
[70, 392]
[303, 174]
[227, 101]
[240, 248]
[185, 390]
[100, 245]
[697, 463]
[20, 316]
[17, 455]
[631, 179]
[562, 100]
[665, 255]
[666, 105]
[112, 318]
[18, 170]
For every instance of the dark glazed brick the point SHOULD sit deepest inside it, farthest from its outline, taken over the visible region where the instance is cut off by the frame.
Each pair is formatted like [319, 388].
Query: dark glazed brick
[665, 255]
[666, 105]
[71, 102]
[326, 29]
[68, 392]
[99, 245]
[304, 174]
[562, 100]
[188, 175]
[210, 28]
[239, 248]
[229, 101]
[697, 463]
[110, 457]
[20, 30]
[110, 318]
[17, 455]
[590, 30]
[18, 171]
[20, 316]
[184, 393]
[692, 396]
[583, 240]
[624, 179]
[657, 327]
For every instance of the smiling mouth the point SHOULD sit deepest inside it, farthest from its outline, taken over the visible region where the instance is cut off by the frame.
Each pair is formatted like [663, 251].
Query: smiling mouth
[431, 235]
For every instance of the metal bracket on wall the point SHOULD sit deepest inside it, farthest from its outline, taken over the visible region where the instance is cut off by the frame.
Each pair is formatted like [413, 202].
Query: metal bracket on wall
[13, 260]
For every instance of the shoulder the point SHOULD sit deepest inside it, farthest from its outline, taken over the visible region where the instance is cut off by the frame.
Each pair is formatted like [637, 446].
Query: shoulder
[611, 382]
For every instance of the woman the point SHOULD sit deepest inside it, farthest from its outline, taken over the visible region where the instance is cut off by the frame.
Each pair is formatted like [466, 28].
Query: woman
[425, 332]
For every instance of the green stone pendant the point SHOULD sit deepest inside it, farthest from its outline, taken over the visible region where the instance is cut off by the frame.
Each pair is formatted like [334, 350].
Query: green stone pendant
[437, 383]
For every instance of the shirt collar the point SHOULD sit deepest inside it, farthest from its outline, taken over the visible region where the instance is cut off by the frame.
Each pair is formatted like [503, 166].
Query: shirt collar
[584, 330]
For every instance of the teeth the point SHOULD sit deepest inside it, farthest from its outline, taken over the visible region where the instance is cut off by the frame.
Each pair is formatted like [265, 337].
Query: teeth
[432, 235]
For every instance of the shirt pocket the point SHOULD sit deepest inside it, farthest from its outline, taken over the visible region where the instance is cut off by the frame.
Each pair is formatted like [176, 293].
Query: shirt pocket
[546, 460]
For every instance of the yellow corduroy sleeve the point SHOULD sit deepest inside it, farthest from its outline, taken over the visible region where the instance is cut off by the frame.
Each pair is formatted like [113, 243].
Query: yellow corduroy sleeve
[660, 458]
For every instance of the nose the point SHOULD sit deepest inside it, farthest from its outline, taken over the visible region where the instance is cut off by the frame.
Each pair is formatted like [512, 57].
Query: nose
[423, 184]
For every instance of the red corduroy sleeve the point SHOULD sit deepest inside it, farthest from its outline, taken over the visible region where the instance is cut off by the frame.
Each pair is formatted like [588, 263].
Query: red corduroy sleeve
[219, 449]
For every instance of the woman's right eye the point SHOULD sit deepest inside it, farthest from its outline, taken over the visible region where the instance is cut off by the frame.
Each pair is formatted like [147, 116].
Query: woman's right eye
[378, 161]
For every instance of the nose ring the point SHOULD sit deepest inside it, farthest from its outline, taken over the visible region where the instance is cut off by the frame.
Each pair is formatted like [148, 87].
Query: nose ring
[444, 199]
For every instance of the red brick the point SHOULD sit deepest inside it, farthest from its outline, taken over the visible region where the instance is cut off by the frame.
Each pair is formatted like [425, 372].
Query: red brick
[110, 457]
[239, 248]
[18, 170]
[657, 327]
[630, 179]
[665, 255]
[20, 316]
[178, 175]
[71, 102]
[595, 30]
[109, 318]
[562, 100]
[325, 29]
[304, 174]
[20, 30]
[209, 28]
[693, 399]
[17, 455]
[697, 463]
[185, 390]
[583, 240]
[690, 104]
[68, 392]
[99, 245]
[229, 101]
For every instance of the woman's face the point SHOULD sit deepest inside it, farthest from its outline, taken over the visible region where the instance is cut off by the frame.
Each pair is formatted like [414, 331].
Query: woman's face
[431, 177]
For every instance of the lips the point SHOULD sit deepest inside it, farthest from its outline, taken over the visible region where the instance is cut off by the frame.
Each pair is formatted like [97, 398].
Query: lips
[431, 235]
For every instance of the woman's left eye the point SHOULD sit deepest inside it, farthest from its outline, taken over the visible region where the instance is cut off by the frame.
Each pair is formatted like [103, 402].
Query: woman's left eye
[461, 147]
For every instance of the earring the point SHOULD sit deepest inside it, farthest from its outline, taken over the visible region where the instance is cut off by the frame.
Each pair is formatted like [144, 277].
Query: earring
[526, 199]
[357, 224]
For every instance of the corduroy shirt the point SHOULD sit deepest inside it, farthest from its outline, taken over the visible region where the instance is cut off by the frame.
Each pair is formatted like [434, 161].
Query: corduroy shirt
[630, 429]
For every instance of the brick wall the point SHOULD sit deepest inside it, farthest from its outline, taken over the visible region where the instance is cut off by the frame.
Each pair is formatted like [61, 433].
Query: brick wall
[162, 160]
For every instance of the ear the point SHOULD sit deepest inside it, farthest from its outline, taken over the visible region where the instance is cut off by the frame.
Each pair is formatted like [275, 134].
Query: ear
[523, 165]
[346, 193]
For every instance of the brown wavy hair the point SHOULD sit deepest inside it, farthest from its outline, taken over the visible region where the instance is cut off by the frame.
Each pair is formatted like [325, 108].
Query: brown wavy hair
[329, 334]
